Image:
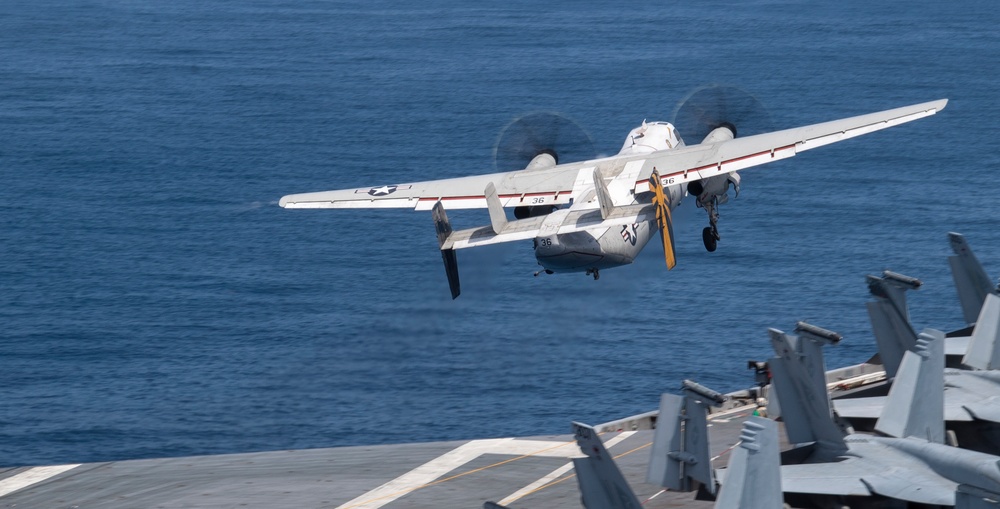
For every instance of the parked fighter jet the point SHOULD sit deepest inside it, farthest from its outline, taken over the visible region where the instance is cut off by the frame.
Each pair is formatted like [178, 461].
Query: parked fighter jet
[909, 462]
[596, 214]
[971, 393]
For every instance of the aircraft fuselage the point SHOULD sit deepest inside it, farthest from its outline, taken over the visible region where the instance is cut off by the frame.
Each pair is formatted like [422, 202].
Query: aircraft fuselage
[602, 248]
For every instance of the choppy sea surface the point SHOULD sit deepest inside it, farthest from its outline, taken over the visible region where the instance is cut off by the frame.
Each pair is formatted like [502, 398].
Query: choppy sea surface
[156, 301]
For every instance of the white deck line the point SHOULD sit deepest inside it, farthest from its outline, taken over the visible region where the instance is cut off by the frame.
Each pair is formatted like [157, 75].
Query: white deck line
[30, 477]
[438, 467]
[557, 473]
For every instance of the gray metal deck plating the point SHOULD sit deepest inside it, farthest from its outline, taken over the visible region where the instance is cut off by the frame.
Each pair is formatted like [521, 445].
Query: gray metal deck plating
[519, 472]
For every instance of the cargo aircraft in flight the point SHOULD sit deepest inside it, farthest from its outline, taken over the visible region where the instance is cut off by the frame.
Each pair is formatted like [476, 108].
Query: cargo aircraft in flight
[590, 215]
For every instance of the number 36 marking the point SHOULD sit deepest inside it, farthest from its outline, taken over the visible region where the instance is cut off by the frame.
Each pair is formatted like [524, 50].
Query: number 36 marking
[538, 199]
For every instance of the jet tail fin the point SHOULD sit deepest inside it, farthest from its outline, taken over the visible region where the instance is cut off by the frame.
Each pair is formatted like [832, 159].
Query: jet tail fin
[890, 317]
[602, 485]
[799, 380]
[915, 405]
[971, 281]
[443, 227]
[984, 347]
[663, 219]
[753, 477]
[680, 455]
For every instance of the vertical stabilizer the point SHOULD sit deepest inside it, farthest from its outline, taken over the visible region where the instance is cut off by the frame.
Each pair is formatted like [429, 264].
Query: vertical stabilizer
[915, 405]
[984, 347]
[971, 281]
[603, 195]
[602, 485]
[680, 457]
[753, 478]
[799, 379]
[498, 218]
[890, 318]
[443, 227]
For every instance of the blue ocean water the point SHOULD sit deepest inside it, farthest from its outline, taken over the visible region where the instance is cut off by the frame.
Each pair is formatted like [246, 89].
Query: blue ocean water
[155, 300]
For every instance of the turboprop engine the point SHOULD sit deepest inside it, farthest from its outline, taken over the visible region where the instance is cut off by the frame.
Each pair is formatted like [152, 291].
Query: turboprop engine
[713, 113]
[537, 141]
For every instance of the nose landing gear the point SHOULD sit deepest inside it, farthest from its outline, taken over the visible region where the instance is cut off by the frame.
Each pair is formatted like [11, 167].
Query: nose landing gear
[595, 273]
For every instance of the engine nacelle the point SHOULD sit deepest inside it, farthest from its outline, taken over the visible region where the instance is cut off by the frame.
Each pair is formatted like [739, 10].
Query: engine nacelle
[716, 187]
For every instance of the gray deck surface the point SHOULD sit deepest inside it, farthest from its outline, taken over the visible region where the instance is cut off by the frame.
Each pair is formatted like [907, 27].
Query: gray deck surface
[460, 474]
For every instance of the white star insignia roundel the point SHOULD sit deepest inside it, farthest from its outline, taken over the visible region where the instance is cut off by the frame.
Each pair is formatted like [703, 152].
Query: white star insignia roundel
[382, 191]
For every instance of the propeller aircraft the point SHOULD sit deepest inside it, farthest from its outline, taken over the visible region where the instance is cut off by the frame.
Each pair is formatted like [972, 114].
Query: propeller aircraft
[591, 215]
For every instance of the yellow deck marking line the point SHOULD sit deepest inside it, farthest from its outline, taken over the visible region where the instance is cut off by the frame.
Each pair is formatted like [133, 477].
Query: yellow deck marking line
[553, 483]
[30, 477]
[429, 473]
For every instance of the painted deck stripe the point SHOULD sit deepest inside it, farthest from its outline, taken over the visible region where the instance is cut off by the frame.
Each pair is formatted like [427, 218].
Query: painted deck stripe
[430, 472]
[30, 477]
[557, 473]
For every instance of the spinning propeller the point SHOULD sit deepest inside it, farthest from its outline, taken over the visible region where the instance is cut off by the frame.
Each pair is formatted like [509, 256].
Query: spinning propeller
[713, 106]
[535, 134]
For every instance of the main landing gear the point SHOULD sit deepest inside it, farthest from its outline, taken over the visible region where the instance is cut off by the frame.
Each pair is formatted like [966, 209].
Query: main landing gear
[710, 235]
[595, 273]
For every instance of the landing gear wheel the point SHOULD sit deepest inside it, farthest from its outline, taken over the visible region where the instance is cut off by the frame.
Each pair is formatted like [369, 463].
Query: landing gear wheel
[710, 238]
[595, 273]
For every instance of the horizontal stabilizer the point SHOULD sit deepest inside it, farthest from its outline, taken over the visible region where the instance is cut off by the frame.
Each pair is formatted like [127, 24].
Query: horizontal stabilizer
[970, 497]
[527, 229]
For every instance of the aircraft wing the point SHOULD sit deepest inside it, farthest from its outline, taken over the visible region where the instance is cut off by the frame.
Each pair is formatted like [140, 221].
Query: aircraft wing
[546, 186]
[557, 185]
[698, 162]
